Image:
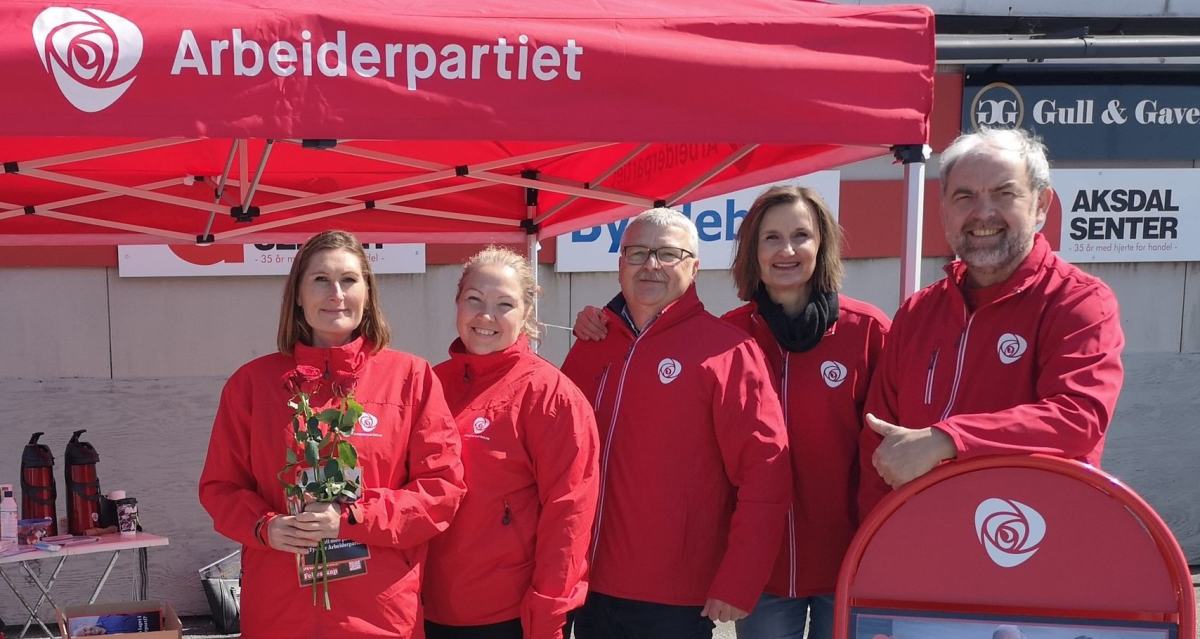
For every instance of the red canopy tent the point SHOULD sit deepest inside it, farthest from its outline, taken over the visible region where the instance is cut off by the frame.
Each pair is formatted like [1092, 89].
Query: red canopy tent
[198, 122]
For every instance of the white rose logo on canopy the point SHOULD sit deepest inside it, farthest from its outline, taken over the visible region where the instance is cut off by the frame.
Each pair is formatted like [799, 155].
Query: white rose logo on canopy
[1010, 347]
[834, 373]
[91, 53]
[1009, 530]
[668, 370]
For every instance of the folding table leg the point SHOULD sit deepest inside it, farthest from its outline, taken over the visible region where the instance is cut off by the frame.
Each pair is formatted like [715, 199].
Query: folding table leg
[142, 575]
[45, 596]
[103, 578]
[32, 615]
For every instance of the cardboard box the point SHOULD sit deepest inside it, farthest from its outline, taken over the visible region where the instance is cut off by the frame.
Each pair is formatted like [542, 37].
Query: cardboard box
[171, 628]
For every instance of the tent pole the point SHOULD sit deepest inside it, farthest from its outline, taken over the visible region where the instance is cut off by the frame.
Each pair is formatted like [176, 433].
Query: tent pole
[248, 194]
[220, 191]
[531, 236]
[594, 182]
[531, 249]
[913, 156]
[259, 227]
[711, 173]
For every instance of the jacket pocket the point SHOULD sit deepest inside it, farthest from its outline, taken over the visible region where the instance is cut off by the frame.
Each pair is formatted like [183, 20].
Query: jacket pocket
[402, 568]
[518, 523]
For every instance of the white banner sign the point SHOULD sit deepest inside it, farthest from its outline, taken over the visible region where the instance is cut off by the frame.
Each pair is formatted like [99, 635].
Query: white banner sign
[717, 220]
[249, 259]
[1129, 215]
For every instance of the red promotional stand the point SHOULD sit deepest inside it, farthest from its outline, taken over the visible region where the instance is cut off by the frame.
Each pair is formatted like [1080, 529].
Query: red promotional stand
[1008, 547]
[222, 122]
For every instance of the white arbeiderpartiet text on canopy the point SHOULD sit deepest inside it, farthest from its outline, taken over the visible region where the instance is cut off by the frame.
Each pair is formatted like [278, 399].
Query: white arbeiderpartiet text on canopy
[416, 61]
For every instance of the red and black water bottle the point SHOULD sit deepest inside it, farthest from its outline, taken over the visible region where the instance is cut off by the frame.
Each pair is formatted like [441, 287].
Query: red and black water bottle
[83, 487]
[39, 491]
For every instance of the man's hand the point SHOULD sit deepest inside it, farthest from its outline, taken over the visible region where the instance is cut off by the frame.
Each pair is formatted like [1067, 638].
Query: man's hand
[722, 612]
[906, 453]
[590, 324]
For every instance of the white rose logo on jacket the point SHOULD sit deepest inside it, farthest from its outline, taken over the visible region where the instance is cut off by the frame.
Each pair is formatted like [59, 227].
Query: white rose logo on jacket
[668, 370]
[91, 54]
[368, 423]
[478, 427]
[1009, 530]
[834, 373]
[1010, 347]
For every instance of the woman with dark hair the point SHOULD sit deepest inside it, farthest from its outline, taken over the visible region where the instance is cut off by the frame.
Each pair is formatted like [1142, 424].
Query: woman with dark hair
[512, 565]
[822, 348]
[407, 452]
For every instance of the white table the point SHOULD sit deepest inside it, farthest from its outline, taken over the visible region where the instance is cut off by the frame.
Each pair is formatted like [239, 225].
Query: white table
[112, 543]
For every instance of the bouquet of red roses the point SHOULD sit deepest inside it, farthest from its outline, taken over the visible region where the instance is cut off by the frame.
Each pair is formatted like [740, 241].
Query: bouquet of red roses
[317, 465]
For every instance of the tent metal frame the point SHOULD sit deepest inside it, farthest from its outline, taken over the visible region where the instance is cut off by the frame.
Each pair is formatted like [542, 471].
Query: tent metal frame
[266, 217]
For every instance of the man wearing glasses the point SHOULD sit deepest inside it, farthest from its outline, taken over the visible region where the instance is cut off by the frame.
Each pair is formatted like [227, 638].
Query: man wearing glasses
[695, 480]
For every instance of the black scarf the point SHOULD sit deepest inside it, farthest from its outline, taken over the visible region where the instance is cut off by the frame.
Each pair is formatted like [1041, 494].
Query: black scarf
[803, 332]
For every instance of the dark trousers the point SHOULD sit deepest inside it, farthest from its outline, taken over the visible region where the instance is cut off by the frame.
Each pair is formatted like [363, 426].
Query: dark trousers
[510, 629]
[604, 617]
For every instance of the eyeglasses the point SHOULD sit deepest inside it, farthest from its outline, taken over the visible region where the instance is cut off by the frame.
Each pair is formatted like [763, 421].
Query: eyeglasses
[666, 255]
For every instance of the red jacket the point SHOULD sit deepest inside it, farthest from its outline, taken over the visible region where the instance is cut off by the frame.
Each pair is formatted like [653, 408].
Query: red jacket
[518, 545]
[822, 391]
[1035, 368]
[408, 450]
[695, 481]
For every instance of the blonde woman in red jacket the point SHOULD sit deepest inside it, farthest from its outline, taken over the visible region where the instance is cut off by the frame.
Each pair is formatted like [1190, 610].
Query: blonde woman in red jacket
[408, 453]
[513, 563]
[821, 348]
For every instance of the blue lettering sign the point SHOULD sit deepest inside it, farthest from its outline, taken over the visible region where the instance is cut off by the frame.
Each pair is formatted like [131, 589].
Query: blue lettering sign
[586, 235]
[732, 217]
[706, 220]
[709, 225]
[615, 231]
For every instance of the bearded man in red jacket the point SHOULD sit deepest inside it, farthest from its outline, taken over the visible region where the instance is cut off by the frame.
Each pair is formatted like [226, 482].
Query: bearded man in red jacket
[695, 480]
[1014, 352]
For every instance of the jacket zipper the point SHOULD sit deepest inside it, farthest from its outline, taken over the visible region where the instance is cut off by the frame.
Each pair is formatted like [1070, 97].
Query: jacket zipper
[507, 518]
[600, 390]
[962, 346]
[958, 366]
[612, 425]
[929, 376]
[792, 507]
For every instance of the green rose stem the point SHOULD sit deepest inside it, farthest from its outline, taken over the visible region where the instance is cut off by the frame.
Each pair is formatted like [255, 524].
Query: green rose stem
[316, 433]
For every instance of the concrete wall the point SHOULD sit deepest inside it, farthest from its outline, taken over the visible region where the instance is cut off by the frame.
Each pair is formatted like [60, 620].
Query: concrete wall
[140, 364]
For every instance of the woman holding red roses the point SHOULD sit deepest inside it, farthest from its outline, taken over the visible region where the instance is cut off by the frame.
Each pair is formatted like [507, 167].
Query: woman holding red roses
[512, 565]
[332, 344]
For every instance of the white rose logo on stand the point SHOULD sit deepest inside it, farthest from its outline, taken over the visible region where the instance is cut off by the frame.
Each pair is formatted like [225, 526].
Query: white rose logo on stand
[668, 370]
[1010, 347]
[1009, 530]
[480, 424]
[91, 54]
[834, 373]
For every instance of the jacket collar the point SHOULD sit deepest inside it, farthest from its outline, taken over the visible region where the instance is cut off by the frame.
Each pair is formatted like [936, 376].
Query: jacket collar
[491, 365]
[1019, 279]
[688, 304]
[350, 357]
